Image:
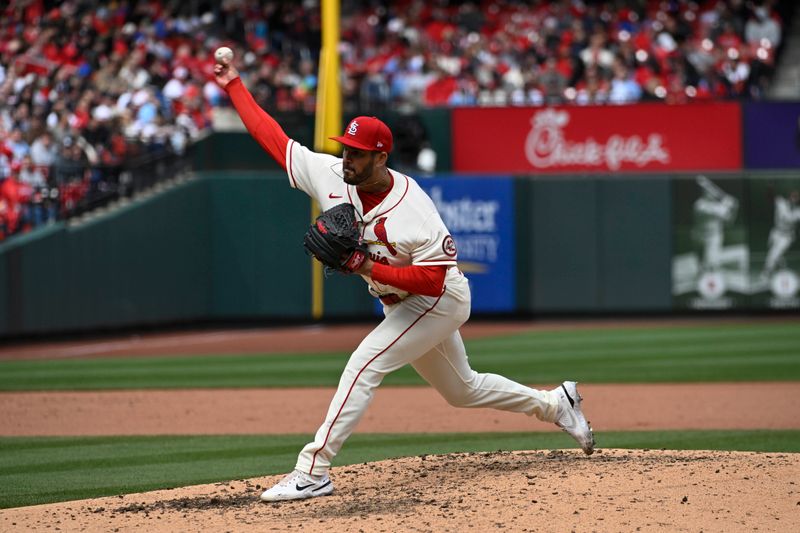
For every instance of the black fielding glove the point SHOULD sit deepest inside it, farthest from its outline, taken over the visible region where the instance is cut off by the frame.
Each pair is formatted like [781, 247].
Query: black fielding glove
[334, 240]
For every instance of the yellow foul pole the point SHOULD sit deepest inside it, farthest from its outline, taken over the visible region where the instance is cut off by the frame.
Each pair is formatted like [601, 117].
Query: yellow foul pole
[328, 121]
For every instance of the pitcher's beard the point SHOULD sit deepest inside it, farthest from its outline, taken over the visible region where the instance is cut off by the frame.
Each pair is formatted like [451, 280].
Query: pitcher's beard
[352, 178]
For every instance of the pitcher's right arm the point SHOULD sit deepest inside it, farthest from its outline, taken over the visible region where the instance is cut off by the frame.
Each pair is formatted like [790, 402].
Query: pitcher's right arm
[264, 129]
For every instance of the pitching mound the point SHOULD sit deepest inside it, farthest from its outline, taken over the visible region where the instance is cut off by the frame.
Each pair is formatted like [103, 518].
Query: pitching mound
[614, 490]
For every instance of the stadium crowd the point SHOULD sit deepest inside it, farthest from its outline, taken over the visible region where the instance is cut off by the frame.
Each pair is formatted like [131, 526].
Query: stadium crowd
[89, 86]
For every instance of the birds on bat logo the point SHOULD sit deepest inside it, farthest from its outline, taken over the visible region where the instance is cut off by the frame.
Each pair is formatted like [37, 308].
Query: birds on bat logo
[382, 237]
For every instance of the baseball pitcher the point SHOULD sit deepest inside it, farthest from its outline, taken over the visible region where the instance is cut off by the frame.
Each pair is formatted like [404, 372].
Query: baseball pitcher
[389, 232]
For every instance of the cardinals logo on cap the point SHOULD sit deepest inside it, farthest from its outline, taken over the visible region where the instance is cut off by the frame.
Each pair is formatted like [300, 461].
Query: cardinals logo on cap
[367, 133]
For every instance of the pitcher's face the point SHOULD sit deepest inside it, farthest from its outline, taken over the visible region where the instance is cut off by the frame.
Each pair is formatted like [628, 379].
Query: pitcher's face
[357, 165]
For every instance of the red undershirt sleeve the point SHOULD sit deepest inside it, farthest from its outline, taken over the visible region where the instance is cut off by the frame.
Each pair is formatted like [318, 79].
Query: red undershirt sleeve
[261, 126]
[425, 280]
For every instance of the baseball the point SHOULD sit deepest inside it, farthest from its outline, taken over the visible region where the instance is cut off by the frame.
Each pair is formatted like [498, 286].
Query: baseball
[223, 55]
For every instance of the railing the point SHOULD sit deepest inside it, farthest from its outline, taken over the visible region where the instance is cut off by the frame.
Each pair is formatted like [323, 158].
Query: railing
[69, 190]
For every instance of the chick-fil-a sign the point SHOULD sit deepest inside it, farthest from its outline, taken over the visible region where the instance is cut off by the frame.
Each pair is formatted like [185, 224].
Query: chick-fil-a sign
[644, 137]
[547, 146]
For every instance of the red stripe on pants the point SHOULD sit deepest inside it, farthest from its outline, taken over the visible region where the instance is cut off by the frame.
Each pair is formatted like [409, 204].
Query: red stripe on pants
[327, 436]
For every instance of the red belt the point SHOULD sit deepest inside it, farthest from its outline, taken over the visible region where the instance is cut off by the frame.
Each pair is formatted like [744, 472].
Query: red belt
[390, 299]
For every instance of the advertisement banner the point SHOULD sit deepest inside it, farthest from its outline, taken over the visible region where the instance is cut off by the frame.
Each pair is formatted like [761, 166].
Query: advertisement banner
[479, 212]
[711, 257]
[774, 208]
[603, 139]
[772, 135]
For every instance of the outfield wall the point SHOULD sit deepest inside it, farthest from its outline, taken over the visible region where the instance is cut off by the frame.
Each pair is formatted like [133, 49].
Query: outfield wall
[595, 210]
[227, 247]
[219, 247]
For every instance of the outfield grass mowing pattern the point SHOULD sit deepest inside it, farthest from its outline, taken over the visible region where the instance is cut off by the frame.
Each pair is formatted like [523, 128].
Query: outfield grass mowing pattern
[49, 469]
[735, 352]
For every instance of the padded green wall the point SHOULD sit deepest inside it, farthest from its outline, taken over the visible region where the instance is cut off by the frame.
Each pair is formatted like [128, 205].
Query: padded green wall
[227, 246]
[595, 244]
[144, 264]
[259, 264]
[564, 245]
[635, 244]
[237, 150]
[224, 246]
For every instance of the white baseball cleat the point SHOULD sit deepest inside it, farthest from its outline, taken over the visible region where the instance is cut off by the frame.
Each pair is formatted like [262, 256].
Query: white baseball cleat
[570, 417]
[298, 486]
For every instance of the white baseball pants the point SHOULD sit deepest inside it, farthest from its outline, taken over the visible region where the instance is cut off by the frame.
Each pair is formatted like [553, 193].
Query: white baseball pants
[422, 331]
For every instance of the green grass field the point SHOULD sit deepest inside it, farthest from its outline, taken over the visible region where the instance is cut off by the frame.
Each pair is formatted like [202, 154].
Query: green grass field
[50, 469]
[41, 470]
[735, 352]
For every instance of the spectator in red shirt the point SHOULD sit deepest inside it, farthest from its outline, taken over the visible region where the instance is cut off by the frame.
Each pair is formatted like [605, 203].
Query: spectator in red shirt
[11, 196]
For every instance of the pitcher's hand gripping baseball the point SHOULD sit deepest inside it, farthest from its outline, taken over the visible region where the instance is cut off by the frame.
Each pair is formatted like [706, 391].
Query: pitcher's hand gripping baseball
[335, 241]
[224, 71]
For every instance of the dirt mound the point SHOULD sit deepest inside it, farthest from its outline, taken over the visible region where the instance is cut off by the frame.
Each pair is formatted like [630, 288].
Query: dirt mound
[394, 410]
[614, 490]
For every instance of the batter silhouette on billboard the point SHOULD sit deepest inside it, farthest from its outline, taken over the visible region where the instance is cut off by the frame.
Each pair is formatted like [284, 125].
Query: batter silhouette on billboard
[713, 211]
[778, 275]
[782, 235]
[709, 265]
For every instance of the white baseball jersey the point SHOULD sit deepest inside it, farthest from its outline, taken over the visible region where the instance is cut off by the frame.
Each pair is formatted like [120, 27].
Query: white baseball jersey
[404, 229]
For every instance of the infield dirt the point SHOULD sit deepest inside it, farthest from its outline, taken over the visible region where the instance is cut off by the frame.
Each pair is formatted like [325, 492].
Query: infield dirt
[614, 490]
